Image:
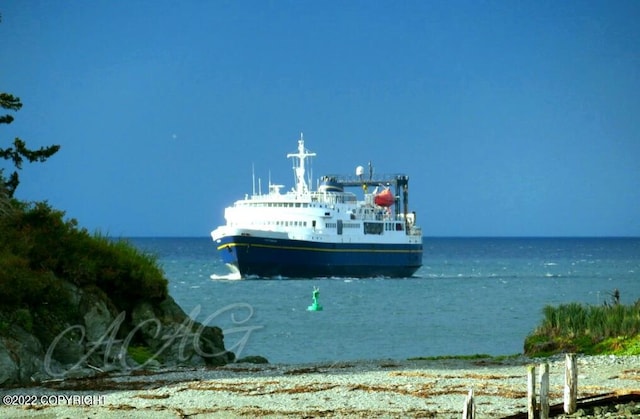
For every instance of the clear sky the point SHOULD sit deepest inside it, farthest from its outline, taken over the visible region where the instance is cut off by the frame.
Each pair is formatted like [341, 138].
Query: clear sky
[512, 118]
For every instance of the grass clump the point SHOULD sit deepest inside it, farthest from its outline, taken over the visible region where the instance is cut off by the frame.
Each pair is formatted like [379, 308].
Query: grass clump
[607, 329]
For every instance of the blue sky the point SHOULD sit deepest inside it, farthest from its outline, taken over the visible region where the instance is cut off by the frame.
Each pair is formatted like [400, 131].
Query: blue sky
[512, 118]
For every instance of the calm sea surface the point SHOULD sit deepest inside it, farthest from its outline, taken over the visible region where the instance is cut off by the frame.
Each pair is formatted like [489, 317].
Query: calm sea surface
[470, 296]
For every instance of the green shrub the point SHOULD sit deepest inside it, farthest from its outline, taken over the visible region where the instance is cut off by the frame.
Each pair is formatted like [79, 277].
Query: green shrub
[22, 317]
[126, 274]
[39, 249]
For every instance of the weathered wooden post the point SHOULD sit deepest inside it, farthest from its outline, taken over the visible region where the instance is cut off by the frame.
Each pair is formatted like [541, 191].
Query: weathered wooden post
[544, 391]
[469, 410]
[531, 391]
[570, 384]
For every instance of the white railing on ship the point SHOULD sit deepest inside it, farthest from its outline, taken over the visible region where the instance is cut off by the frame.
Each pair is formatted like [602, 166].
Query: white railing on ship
[333, 198]
[320, 197]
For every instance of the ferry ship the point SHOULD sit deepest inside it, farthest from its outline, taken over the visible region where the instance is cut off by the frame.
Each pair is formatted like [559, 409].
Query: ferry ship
[327, 232]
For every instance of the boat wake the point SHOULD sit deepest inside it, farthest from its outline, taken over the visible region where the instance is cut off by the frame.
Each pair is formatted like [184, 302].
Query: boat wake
[233, 276]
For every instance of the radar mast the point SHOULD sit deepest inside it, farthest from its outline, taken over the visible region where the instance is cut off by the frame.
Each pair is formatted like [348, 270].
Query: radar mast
[299, 168]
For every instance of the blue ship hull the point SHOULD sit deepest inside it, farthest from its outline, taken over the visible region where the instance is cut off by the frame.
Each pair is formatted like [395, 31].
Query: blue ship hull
[266, 258]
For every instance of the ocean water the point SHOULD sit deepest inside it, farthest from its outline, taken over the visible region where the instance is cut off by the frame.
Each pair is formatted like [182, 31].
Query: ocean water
[471, 296]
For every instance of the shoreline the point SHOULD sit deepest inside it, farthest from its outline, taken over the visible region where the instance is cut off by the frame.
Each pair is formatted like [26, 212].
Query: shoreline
[364, 388]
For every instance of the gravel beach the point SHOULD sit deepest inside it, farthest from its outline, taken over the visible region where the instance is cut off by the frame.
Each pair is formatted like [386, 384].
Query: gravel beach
[361, 389]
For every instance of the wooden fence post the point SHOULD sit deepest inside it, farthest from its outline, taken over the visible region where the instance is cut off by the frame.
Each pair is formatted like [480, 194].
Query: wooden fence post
[469, 410]
[570, 384]
[531, 391]
[544, 391]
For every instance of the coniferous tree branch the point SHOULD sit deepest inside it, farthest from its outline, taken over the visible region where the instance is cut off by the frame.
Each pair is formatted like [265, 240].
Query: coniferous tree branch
[19, 151]
[8, 101]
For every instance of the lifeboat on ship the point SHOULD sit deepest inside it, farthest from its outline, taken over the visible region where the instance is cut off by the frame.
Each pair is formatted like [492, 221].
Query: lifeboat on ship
[384, 198]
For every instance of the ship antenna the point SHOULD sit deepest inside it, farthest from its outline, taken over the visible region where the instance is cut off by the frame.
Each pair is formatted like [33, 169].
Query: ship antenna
[253, 178]
[299, 170]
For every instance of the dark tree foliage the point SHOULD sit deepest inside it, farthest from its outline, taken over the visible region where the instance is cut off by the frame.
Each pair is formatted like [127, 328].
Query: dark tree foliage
[18, 152]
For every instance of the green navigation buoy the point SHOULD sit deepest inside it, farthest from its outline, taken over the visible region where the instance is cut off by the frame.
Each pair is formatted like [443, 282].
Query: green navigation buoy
[315, 306]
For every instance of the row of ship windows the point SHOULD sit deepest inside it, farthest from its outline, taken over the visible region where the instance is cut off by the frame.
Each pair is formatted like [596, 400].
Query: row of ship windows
[367, 211]
[304, 224]
[369, 228]
[393, 226]
[283, 205]
[377, 228]
[285, 223]
[344, 225]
